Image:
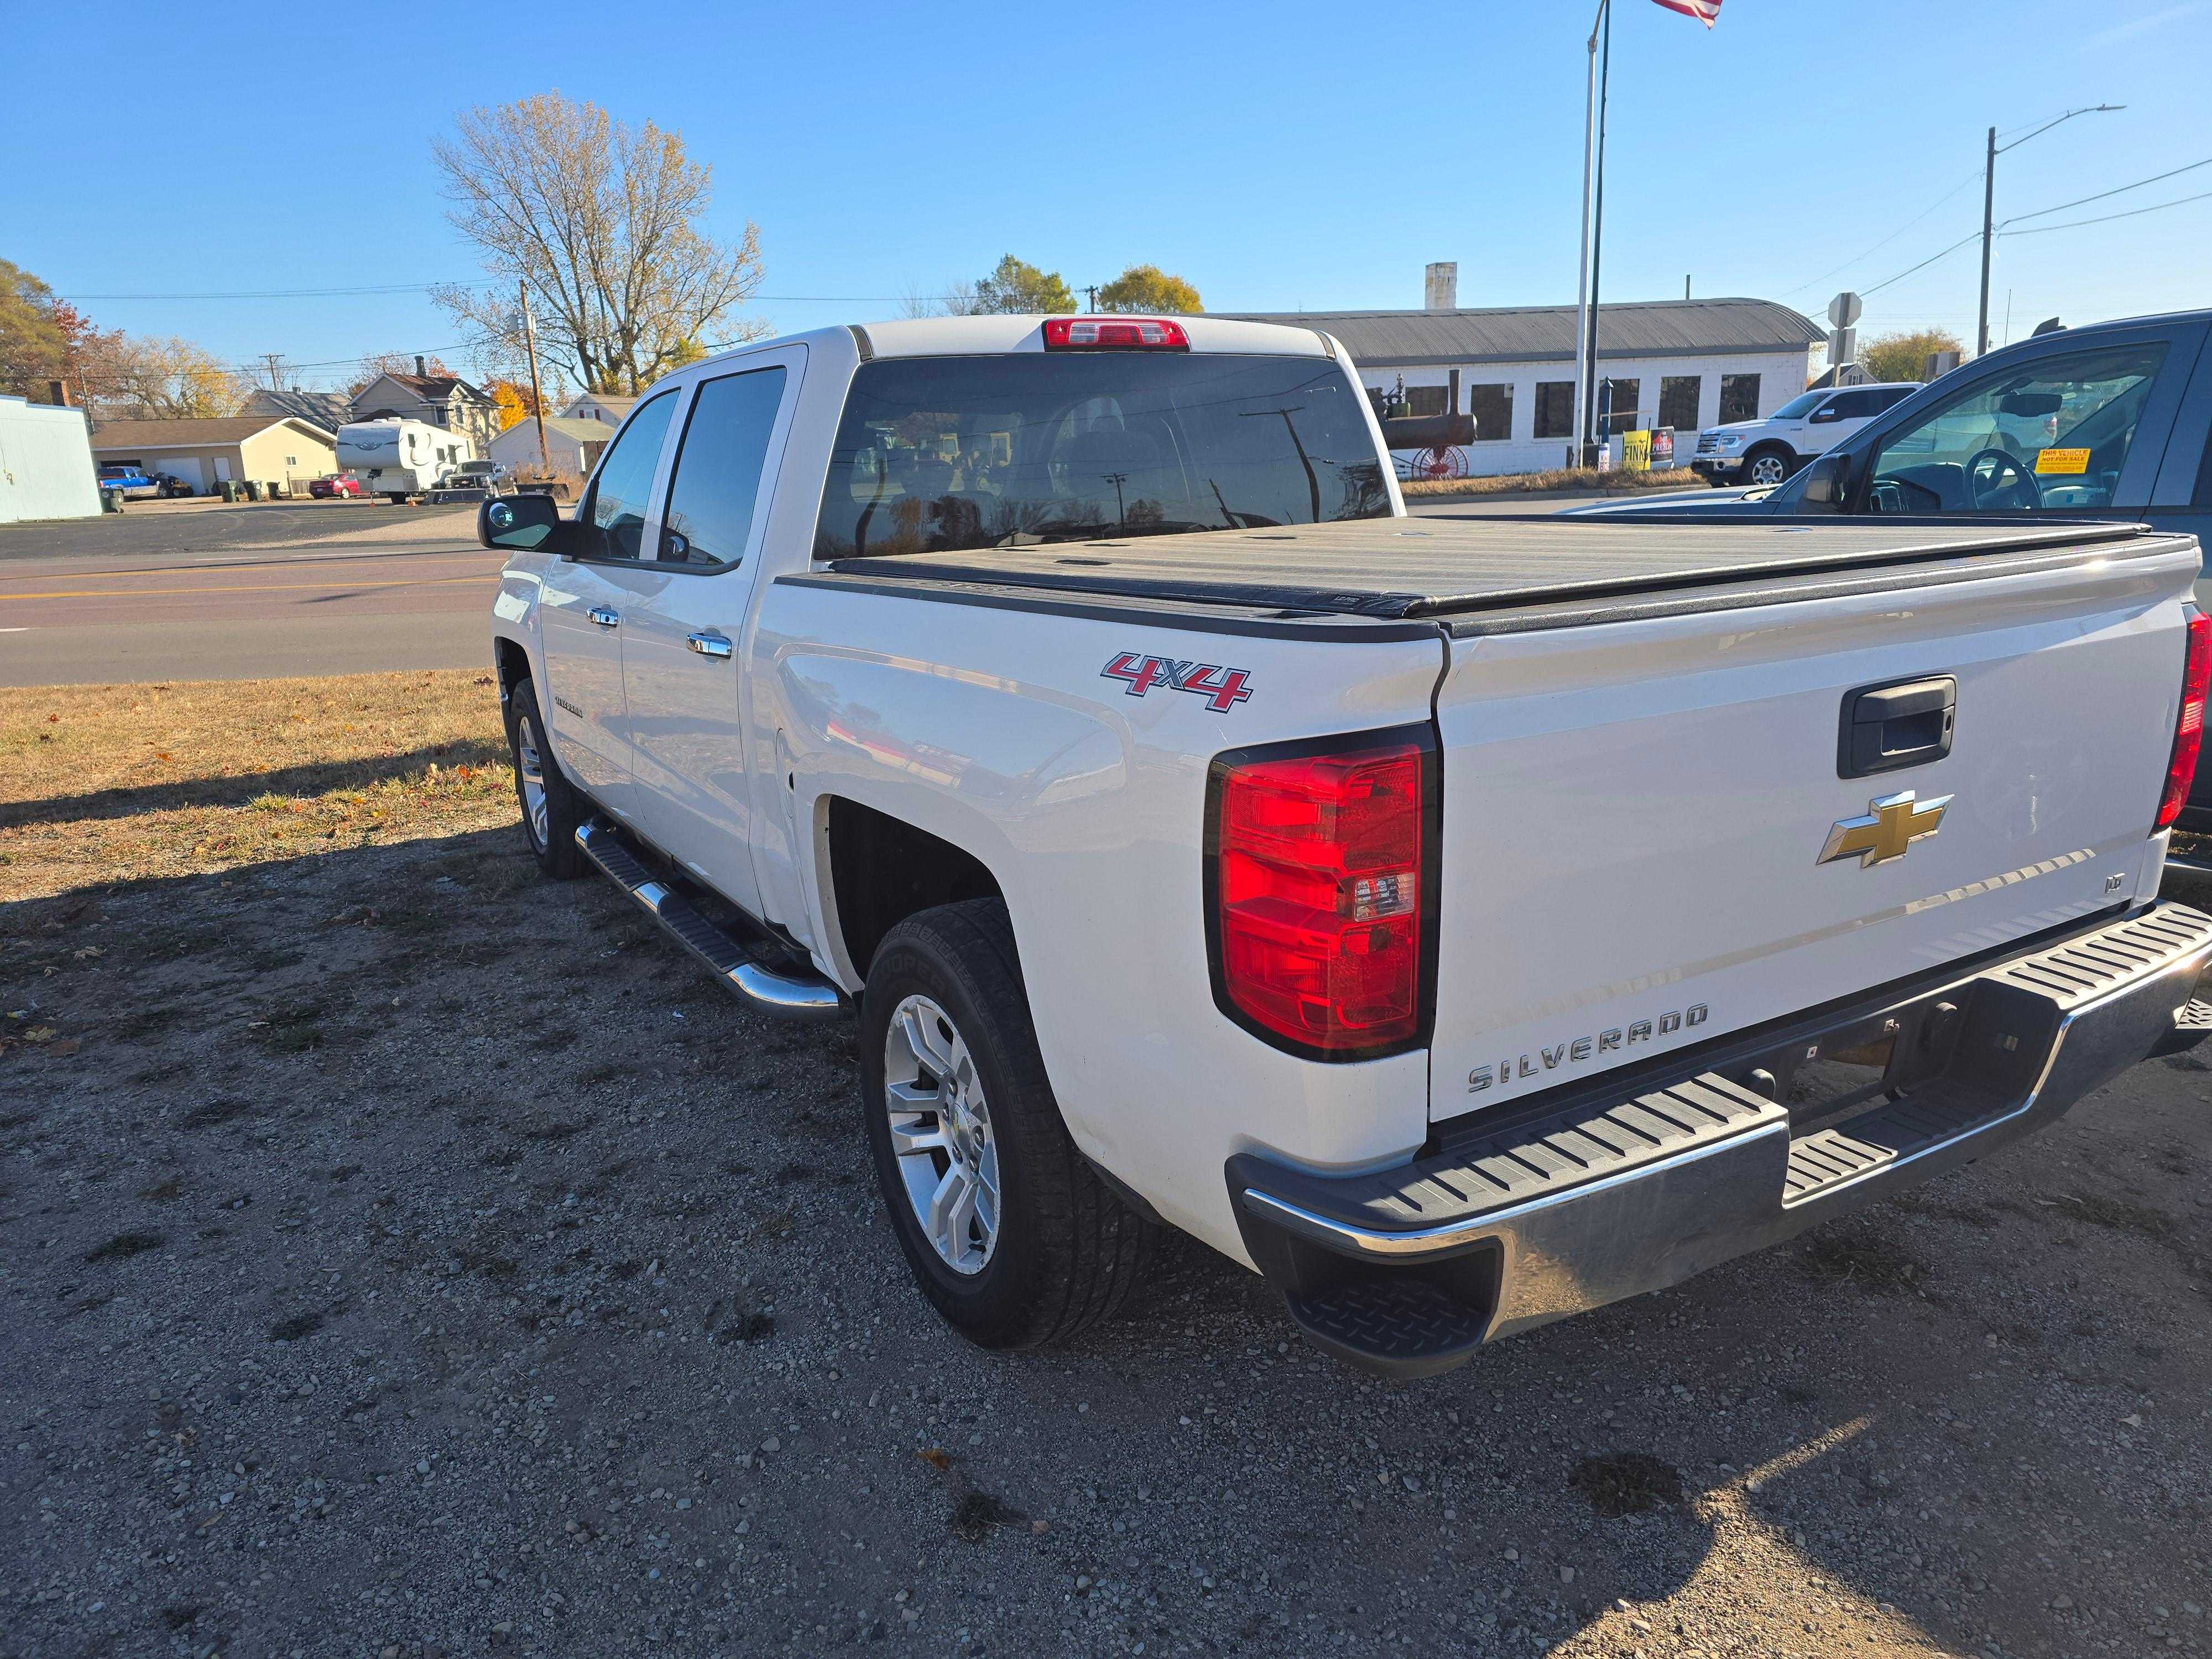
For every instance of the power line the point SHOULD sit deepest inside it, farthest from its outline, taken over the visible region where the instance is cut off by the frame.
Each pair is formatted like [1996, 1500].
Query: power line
[1892, 237]
[1971, 236]
[2117, 190]
[424, 288]
[2106, 218]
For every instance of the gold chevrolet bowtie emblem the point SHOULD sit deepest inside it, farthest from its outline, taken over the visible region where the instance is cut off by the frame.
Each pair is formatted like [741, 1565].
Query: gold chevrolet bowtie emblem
[1891, 823]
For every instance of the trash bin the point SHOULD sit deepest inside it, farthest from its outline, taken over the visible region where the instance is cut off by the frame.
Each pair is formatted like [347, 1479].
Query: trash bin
[252, 490]
[111, 500]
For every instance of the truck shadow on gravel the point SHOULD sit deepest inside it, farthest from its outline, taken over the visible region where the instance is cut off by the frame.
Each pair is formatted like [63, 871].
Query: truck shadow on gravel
[400, 1252]
[290, 781]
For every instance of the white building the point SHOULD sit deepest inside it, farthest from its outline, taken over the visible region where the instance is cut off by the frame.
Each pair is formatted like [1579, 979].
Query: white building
[1683, 363]
[608, 409]
[45, 463]
[573, 446]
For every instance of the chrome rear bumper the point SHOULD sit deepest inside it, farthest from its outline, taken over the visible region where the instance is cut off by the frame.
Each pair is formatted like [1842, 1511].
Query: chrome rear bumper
[1567, 1206]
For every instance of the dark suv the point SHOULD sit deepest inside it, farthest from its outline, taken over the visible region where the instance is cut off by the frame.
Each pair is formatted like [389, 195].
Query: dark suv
[2111, 420]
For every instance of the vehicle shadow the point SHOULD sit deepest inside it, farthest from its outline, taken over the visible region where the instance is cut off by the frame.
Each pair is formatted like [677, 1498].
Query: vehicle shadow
[412, 1127]
[237, 789]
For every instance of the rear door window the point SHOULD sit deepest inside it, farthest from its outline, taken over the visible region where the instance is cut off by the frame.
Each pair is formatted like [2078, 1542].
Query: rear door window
[2050, 435]
[713, 496]
[945, 453]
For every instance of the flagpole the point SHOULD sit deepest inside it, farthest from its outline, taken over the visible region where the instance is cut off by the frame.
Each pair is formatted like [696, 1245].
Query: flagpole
[1582, 277]
[1604, 36]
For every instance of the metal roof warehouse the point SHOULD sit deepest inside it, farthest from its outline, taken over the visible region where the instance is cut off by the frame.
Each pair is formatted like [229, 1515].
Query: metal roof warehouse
[1683, 363]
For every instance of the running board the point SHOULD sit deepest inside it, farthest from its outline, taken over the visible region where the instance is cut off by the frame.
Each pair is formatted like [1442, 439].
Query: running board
[785, 996]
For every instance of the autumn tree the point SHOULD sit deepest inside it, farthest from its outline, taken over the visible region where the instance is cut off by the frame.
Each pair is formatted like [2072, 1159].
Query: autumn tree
[1016, 285]
[1902, 354]
[32, 350]
[515, 404]
[156, 377]
[603, 221]
[1148, 289]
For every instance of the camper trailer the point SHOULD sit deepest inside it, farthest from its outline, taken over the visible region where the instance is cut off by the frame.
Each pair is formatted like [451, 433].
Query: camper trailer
[398, 458]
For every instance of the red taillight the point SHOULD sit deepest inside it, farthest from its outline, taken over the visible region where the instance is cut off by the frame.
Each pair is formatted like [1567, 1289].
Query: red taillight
[1318, 895]
[2188, 726]
[1113, 334]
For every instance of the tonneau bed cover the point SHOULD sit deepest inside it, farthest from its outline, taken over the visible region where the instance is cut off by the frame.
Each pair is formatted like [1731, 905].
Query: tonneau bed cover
[1417, 568]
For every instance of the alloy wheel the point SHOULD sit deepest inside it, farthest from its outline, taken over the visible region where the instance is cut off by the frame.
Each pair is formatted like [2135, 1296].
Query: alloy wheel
[941, 1133]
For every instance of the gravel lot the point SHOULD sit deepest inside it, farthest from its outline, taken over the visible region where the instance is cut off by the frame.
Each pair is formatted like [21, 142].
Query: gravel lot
[399, 1256]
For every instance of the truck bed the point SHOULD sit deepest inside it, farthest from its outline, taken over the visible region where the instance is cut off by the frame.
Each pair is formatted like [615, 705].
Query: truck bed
[1482, 570]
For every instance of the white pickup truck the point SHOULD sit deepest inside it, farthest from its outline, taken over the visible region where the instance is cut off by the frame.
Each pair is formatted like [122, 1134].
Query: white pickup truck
[1463, 923]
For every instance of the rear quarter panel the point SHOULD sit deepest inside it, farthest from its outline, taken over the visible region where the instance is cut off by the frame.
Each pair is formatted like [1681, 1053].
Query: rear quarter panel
[997, 730]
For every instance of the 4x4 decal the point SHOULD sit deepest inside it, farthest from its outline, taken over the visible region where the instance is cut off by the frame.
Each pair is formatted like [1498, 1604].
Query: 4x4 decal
[1222, 687]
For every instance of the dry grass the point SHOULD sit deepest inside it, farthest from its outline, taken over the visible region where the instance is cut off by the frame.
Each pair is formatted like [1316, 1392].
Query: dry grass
[107, 783]
[1562, 479]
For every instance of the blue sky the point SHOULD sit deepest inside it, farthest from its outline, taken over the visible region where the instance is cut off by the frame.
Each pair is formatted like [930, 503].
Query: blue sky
[1294, 156]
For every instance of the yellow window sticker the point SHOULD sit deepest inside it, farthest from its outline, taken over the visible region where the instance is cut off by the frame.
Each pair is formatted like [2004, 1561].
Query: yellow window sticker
[2061, 460]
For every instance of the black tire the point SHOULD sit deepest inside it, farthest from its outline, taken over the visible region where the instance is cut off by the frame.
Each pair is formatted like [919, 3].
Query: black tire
[555, 848]
[1067, 1251]
[1774, 459]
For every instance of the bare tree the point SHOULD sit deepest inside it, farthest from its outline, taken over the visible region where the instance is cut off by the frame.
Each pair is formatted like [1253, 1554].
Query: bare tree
[956, 300]
[601, 219]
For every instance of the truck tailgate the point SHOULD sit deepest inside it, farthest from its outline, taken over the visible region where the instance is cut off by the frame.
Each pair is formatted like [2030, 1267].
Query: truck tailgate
[1636, 811]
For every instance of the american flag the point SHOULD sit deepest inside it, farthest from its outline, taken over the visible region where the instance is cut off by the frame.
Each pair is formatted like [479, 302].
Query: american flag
[1705, 11]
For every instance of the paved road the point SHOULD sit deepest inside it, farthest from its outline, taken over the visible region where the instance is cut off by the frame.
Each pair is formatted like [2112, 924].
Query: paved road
[242, 594]
[191, 591]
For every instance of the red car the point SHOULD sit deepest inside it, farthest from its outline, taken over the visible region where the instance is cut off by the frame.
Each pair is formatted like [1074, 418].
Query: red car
[338, 484]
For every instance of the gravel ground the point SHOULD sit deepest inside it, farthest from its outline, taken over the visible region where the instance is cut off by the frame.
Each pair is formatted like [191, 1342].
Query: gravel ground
[400, 1256]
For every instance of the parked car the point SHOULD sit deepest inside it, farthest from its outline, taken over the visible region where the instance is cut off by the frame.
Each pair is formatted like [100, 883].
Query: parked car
[137, 485]
[474, 480]
[1463, 922]
[2111, 420]
[338, 483]
[1767, 452]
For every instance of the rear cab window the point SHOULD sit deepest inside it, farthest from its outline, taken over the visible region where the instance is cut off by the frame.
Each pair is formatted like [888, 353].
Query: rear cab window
[939, 454]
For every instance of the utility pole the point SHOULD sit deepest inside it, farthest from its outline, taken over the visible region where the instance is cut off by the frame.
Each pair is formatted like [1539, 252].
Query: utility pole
[1989, 236]
[1090, 297]
[1989, 202]
[536, 397]
[275, 360]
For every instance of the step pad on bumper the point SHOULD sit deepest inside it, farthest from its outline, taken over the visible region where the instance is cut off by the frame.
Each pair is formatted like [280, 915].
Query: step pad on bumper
[1413, 1326]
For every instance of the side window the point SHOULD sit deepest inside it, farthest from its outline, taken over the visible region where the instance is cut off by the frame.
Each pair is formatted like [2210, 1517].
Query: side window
[718, 469]
[1555, 409]
[1739, 397]
[617, 503]
[2048, 435]
[1493, 408]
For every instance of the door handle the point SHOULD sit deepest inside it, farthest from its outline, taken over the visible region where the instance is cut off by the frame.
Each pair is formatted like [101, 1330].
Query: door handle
[708, 644]
[604, 617]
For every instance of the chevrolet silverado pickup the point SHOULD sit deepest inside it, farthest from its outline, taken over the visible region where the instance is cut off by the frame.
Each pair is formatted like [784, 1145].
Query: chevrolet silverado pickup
[1463, 924]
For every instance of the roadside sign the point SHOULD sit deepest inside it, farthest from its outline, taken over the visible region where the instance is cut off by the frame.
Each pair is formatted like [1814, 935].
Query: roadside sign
[1663, 447]
[1844, 310]
[1636, 451]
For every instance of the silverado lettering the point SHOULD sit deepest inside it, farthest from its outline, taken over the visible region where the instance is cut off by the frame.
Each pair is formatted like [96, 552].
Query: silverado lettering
[1582, 1048]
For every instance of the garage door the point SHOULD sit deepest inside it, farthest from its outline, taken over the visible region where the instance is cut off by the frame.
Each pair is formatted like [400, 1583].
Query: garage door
[186, 467]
